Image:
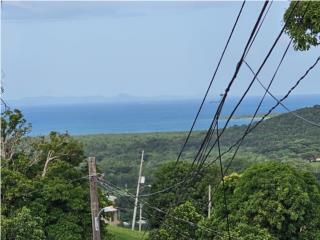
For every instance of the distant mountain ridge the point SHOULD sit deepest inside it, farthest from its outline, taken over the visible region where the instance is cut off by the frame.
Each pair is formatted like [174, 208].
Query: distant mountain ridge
[121, 98]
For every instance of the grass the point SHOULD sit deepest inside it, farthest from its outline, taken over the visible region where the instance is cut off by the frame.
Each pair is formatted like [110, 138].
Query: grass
[121, 233]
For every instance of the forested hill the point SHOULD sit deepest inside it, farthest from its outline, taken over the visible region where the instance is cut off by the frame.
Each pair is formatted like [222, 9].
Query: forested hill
[281, 137]
[285, 135]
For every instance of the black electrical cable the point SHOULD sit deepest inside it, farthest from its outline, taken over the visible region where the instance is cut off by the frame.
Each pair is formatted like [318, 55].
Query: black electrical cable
[271, 109]
[212, 79]
[262, 21]
[158, 209]
[223, 184]
[239, 140]
[248, 88]
[232, 79]
[257, 32]
[249, 42]
[266, 90]
[282, 104]
[260, 103]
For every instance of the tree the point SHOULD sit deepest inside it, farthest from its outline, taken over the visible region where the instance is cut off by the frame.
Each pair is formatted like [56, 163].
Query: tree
[195, 191]
[55, 147]
[304, 26]
[274, 197]
[22, 226]
[64, 202]
[214, 230]
[15, 191]
[13, 128]
[180, 223]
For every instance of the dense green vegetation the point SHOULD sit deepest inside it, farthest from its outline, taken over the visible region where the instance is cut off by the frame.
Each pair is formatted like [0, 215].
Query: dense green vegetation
[171, 228]
[268, 201]
[285, 136]
[194, 191]
[44, 188]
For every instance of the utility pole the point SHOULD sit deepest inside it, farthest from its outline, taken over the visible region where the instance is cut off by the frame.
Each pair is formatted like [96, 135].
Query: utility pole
[94, 198]
[137, 194]
[140, 218]
[209, 202]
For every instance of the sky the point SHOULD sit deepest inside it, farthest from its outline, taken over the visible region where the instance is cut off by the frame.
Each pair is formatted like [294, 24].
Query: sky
[147, 49]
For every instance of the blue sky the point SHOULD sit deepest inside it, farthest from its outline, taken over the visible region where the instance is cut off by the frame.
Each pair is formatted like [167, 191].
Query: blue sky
[149, 49]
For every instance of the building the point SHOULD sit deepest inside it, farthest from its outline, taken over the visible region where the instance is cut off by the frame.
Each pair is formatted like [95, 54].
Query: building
[111, 216]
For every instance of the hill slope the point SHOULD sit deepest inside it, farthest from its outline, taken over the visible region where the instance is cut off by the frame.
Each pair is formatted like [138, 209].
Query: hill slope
[284, 135]
[281, 137]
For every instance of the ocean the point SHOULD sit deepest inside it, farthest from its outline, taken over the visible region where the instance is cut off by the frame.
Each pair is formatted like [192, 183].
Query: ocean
[140, 117]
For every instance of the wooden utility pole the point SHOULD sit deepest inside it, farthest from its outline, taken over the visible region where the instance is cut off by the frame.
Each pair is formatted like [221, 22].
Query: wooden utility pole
[137, 194]
[209, 202]
[94, 198]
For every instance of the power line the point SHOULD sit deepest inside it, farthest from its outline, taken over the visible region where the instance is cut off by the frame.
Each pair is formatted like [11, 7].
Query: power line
[266, 90]
[262, 21]
[209, 132]
[262, 99]
[277, 100]
[163, 190]
[158, 209]
[216, 117]
[111, 187]
[239, 140]
[223, 184]
[199, 110]
[248, 88]
[205, 140]
[128, 197]
[212, 79]
[260, 103]
[255, 35]
[270, 110]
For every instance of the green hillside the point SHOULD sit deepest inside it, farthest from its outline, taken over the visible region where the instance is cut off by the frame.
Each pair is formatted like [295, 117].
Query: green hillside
[282, 137]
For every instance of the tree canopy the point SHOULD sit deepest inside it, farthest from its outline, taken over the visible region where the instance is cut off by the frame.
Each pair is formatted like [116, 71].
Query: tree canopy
[274, 197]
[195, 191]
[45, 192]
[268, 201]
[304, 26]
[178, 224]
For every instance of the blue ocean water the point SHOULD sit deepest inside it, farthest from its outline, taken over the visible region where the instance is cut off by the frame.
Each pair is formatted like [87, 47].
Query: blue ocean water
[136, 117]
